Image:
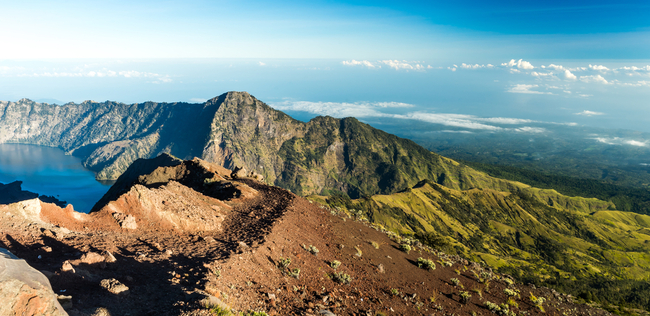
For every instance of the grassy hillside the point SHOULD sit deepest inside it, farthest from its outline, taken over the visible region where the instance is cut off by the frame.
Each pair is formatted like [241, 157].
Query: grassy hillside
[631, 199]
[581, 245]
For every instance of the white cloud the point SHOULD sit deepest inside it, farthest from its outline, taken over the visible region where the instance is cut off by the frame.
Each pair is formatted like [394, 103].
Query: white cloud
[596, 79]
[198, 100]
[392, 105]
[475, 66]
[640, 83]
[556, 67]
[158, 78]
[525, 88]
[456, 120]
[528, 129]
[340, 109]
[598, 67]
[373, 109]
[261, 63]
[397, 65]
[542, 74]
[504, 120]
[636, 143]
[589, 113]
[633, 69]
[521, 64]
[568, 75]
[358, 63]
[621, 141]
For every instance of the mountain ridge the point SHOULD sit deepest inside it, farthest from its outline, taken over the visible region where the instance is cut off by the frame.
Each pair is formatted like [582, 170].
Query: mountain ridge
[323, 156]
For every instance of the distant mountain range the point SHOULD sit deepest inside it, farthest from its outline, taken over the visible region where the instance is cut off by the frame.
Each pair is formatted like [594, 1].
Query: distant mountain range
[323, 156]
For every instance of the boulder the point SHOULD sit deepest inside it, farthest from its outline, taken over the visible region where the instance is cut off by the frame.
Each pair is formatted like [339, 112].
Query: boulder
[114, 286]
[238, 173]
[24, 290]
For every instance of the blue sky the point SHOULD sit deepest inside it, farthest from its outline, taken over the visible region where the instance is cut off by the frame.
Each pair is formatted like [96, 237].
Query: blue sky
[413, 30]
[467, 64]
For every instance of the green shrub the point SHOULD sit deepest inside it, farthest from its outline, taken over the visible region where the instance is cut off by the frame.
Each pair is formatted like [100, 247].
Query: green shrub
[426, 264]
[341, 277]
[405, 247]
[465, 297]
[284, 263]
[335, 264]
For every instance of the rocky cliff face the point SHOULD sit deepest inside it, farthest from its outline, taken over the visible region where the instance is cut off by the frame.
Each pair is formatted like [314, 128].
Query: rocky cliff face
[323, 156]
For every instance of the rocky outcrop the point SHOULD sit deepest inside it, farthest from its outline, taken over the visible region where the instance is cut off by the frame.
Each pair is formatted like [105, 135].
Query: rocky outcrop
[24, 290]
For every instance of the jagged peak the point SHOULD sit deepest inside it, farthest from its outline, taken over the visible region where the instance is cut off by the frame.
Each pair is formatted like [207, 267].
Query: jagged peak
[230, 95]
[234, 100]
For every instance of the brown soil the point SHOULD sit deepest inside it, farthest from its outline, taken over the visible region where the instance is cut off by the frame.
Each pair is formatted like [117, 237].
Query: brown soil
[171, 269]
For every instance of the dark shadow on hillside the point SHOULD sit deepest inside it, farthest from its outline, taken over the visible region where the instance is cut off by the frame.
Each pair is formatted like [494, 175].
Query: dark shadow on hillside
[188, 128]
[153, 289]
[13, 193]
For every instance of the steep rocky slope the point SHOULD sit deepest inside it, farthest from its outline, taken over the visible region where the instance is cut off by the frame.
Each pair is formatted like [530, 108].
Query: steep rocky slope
[322, 156]
[151, 249]
[581, 245]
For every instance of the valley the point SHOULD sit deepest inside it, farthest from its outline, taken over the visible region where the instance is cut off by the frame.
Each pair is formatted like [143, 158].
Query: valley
[177, 213]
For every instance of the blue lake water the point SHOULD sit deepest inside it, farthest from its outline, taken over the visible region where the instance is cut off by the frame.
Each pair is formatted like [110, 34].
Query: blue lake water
[48, 171]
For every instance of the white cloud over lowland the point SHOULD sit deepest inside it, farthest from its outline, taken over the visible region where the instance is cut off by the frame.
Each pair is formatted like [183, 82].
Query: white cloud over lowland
[525, 88]
[589, 113]
[621, 141]
[393, 64]
[373, 109]
[521, 64]
[358, 63]
[596, 79]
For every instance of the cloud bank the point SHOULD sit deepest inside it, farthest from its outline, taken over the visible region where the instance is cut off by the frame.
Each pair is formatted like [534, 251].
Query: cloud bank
[374, 109]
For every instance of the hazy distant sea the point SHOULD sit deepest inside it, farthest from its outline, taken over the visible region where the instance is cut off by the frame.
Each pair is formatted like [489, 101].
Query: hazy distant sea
[48, 171]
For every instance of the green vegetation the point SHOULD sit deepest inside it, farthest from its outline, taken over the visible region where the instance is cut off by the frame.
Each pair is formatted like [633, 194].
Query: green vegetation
[538, 236]
[426, 264]
[284, 263]
[465, 297]
[335, 264]
[629, 199]
[538, 301]
[313, 250]
[341, 277]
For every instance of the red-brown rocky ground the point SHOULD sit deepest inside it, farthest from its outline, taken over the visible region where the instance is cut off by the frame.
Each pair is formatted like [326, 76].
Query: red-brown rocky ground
[172, 263]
